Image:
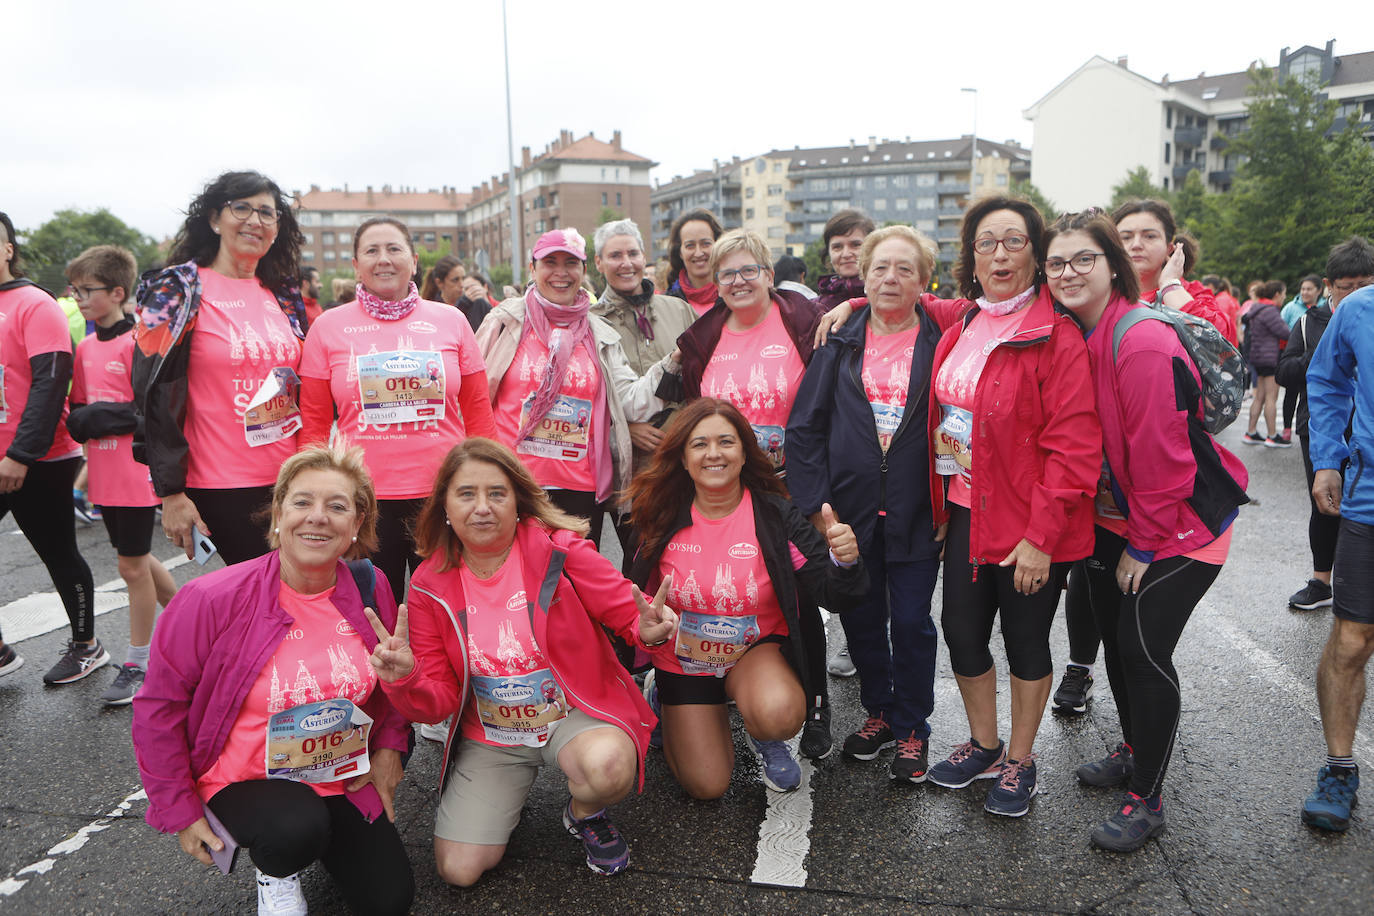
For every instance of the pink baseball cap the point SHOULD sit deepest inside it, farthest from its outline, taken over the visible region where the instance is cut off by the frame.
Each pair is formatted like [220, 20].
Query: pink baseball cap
[569, 240]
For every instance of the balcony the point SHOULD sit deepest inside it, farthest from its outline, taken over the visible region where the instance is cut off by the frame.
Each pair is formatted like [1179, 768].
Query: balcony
[1222, 177]
[801, 194]
[1188, 136]
[1181, 172]
[952, 187]
[947, 234]
[1219, 142]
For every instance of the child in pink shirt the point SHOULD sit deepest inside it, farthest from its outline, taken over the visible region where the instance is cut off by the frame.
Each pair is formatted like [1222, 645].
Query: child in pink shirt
[102, 416]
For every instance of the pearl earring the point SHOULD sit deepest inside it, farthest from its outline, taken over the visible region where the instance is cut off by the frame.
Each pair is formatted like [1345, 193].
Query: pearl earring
[276, 531]
[355, 539]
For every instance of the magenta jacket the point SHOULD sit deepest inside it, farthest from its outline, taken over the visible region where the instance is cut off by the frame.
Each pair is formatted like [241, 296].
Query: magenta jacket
[208, 649]
[1145, 434]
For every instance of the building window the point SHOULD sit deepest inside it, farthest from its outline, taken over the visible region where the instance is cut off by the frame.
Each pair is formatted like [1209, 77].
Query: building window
[327, 238]
[1168, 117]
[329, 255]
[926, 202]
[1002, 179]
[839, 184]
[978, 179]
[775, 232]
[925, 225]
[815, 228]
[880, 204]
[777, 166]
[617, 195]
[307, 255]
[1166, 154]
[817, 184]
[923, 180]
[749, 213]
[774, 190]
[309, 237]
[429, 238]
[904, 181]
[603, 174]
[1306, 67]
[858, 184]
[774, 211]
[879, 182]
[603, 195]
[902, 203]
[749, 192]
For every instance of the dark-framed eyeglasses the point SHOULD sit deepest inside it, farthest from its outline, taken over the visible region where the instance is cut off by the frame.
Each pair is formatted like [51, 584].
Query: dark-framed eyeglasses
[242, 210]
[1011, 243]
[1081, 263]
[84, 292]
[747, 272]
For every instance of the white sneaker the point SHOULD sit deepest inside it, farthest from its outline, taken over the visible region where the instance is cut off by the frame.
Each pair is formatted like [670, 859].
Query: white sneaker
[840, 664]
[435, 732]
[280, 896]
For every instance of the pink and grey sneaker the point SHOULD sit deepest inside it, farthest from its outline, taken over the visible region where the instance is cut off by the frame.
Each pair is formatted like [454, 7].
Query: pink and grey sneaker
[968, 762]
[607, 851]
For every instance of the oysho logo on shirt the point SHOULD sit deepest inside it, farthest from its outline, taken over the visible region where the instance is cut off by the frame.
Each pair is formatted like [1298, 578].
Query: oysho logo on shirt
[773, 351]
[743, 551]
[685, 548]
[724, 357]
[517, 601]
[421, 327]
[228, 303]
[355, 329]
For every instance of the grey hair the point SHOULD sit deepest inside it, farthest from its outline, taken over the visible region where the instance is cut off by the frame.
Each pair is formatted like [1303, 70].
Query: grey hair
[607, 231]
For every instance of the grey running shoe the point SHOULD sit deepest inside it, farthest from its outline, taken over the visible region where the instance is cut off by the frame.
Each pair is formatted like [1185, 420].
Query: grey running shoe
[77, 661]
[1113, 770]
[1128, 829]
[126, 684]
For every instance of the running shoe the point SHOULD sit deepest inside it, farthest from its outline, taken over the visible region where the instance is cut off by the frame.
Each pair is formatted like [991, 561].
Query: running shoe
[77, 661]
[126, 684]
[1276, 442]
[968, 762]
[910, 762]
[1113, 770]
[1075, 690]
[779, 769]
[10, 660]
[651, 697]
[874, 736]
[816, 741]
[1128, 829]
[280, 896]
[437, 732]
[1287, 436]
[607, 851]
[840, 664]
[1311, 596]
[1252, 439]
[1329, 805]
[1011, 795]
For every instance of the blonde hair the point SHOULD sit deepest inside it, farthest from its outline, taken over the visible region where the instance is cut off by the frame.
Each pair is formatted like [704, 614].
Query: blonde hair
[926, 249]
[741, 240]
[346, 461]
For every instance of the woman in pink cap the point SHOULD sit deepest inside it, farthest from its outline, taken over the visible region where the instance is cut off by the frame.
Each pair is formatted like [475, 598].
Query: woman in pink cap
[549, 360]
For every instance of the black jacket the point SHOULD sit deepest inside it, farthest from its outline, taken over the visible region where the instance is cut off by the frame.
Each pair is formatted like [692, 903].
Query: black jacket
[1295, 358]
[778, 523]
[800, 316]
[50, 376]
[833, 453]
[104, 418]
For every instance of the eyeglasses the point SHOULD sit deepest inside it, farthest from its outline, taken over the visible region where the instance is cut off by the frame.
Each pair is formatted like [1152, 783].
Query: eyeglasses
[1082, 264]
[747, 272]
[84, 292]
[242, 210]
[1011, 243]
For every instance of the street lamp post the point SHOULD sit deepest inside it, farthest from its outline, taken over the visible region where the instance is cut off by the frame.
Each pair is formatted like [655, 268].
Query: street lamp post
[512, 185]
[973, 159]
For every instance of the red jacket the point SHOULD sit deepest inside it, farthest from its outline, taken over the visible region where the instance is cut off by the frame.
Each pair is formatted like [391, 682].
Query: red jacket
[1147, 439]
[1037, 444]
[566, 627]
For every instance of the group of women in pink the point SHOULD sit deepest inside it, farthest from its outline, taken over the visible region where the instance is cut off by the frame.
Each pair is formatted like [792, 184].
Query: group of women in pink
[1005, 431]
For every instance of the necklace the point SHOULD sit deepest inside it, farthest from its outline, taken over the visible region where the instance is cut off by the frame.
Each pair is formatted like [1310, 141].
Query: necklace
[495, 568]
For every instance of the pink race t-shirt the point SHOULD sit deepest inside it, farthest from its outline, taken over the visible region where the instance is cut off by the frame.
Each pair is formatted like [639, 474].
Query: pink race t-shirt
[31, 323]
[955, 386]
[102, 373]
[886, 377]
[395, 386]
[322, 657]
[721, 592]
[240, 336]
[758, 371]
[515, 695]
[557, 450]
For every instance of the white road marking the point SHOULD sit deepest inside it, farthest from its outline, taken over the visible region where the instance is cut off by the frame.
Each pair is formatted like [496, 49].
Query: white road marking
[42, 612]
[785, 834]
[71, 844]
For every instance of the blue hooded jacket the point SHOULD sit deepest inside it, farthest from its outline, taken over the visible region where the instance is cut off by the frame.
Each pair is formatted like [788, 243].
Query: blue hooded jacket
[1334, 386]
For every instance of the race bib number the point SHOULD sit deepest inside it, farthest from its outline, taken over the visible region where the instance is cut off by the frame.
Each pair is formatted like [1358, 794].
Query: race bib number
[1105, 501]
[401, 385]
[562, 433]
[887, 417]
[954, 443]
[771, 439]
[711, 643]
[520, 709]
[274, 413]
[318, 742]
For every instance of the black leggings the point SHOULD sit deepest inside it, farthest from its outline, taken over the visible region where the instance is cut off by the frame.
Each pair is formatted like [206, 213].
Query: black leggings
[973, 597]
[1078, 618]
[285, 827]
[395, 541]
[1322, 530]
[1140, 632]
[1290, 406]
[42, 508]
[232, 517]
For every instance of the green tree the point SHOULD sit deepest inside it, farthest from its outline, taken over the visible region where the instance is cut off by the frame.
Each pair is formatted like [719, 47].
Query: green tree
[500, 275]
[48, 248]
[1136, 184]
[815, 265]
[1027, 190]
[1299, 188]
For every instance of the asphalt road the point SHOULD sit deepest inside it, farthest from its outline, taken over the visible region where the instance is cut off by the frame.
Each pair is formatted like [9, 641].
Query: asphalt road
[73, 840]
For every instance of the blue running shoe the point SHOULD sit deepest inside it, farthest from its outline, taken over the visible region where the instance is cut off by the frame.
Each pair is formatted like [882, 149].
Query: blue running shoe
[1011, 795]
[968, 762]
[1328, 807]
[651, 697]
[780, 769]
[607, 851]
[1128, 829]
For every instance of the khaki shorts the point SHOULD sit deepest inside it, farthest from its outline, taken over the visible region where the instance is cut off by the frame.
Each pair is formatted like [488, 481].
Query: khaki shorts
[487, 788]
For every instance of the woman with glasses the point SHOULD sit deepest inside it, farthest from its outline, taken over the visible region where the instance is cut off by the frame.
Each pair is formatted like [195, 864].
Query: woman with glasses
[1017, 450]
[218, 346]
[689, 258]
[1163, 516]
[405, 379]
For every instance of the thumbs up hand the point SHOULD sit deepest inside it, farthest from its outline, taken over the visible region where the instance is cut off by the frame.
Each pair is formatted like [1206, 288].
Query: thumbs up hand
[843, 544]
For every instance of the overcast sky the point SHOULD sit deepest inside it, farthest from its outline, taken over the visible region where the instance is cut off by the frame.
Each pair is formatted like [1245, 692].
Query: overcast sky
[135, 105]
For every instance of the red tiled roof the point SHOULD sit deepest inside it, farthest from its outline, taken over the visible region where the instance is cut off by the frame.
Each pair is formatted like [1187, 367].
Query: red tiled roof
[591, 148]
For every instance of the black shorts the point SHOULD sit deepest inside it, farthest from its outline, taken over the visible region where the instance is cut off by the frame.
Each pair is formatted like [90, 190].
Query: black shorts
[130, 528]
[697, 689]
[1265, 371]
[1352, 573]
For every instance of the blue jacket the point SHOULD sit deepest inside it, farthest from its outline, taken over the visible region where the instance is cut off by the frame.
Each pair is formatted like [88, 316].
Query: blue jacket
[1333, 387]
[833, 453]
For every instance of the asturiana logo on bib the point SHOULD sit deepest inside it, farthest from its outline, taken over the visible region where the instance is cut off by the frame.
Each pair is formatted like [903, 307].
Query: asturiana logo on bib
[743, 551]
[116, 367]
[421, 327]
[513, 693]
[773, 351]
[325, 719]
[720, 629]
[344, 628]
[517, 601]
[401, 364]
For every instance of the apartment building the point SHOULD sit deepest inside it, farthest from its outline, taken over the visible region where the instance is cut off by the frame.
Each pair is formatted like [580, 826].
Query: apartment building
[329, 218]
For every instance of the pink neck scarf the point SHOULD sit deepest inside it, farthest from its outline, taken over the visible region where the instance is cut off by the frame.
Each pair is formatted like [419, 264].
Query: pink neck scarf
[1007, 306]
[384, 310]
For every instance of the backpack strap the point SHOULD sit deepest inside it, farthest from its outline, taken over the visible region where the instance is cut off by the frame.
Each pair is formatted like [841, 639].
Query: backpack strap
[1129, 320]
[365, 577]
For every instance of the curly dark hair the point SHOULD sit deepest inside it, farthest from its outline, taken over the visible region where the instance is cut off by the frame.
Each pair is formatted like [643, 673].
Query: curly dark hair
[969, 287]
[196, 241]
[675, 237]
[659, 492]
